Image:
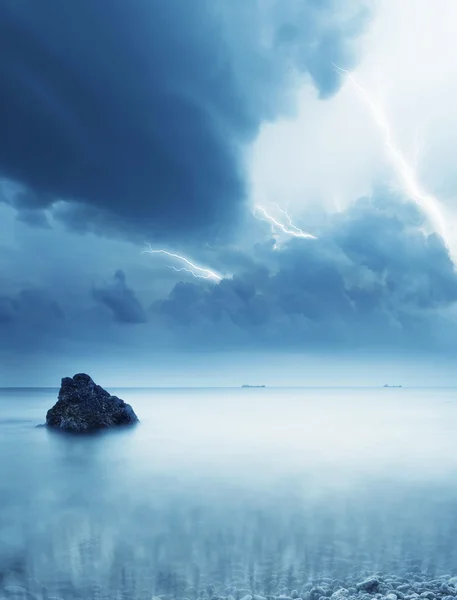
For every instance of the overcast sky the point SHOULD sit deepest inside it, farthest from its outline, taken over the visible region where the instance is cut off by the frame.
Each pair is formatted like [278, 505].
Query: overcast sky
[169, 124]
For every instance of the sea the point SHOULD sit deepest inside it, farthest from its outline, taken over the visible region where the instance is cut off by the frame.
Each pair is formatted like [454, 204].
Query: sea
[227, 488]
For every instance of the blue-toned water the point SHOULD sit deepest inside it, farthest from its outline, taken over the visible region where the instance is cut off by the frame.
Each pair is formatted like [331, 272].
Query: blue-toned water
[227, 487]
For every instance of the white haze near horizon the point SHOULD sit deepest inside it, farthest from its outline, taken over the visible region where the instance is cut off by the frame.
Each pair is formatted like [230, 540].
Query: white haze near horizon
[137, 368]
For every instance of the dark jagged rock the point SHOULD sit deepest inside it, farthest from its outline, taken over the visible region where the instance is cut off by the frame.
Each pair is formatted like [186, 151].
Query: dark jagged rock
[83, 406]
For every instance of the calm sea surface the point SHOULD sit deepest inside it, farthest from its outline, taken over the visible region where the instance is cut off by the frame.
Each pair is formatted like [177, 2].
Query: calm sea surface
[228, 486]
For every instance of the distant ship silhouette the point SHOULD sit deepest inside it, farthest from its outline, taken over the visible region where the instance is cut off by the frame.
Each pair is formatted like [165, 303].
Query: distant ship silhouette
[392, 386]
[253, 386]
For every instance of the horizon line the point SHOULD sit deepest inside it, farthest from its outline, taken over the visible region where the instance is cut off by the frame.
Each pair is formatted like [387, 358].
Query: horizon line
[221, 387]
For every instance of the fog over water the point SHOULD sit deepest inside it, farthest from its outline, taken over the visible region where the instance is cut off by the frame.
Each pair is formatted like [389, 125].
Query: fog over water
[249, 488]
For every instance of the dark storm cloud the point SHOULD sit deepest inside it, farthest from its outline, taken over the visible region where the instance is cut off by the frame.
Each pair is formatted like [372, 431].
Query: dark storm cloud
[7, 309]
[31, 307]
[35, 218]
[30, 206]
[121, 300]
[136, 112]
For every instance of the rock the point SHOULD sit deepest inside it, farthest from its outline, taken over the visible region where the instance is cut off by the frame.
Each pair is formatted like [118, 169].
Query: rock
[83, 406]
[341, 593]
[447, 589]
[370, 584]
[391, 596]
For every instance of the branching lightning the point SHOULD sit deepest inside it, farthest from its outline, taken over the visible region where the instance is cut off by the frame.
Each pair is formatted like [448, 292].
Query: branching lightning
[192, 269]
[405, 171]
[286, 214]
[289, 229]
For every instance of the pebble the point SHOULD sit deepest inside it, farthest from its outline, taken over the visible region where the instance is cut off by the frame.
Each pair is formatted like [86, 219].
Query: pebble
[447, 589]
[317, 592]
[341, 593]
[370, 584]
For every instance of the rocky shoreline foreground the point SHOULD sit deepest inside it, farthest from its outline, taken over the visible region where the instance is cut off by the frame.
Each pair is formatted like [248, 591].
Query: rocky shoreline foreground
[380, 586]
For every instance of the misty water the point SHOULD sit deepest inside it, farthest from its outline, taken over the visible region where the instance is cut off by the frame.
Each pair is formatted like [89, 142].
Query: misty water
[257, 489]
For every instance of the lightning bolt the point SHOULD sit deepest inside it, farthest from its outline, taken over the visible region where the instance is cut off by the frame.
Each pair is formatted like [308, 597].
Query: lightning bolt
[289, 229]
[286, 214]
[405, 171]
[193, 269]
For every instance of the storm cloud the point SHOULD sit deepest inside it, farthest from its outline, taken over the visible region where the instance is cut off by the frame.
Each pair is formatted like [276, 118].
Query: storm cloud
[132, 119]
[372, 279]
[121, 300]
[137, 126]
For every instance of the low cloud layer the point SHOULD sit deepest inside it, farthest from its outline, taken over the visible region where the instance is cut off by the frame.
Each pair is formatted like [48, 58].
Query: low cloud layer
[373, 280]
[121, 301]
